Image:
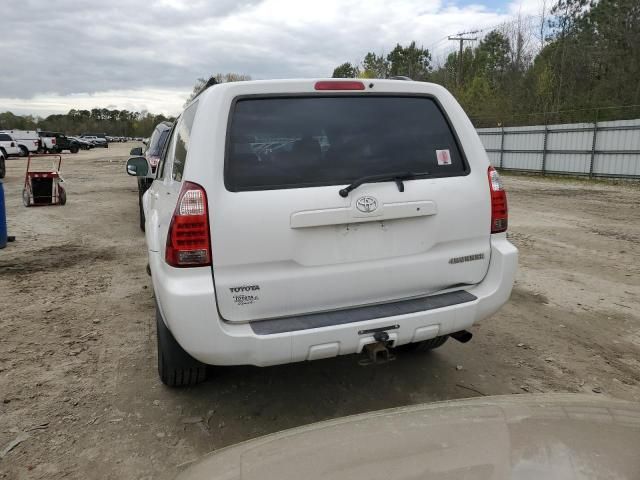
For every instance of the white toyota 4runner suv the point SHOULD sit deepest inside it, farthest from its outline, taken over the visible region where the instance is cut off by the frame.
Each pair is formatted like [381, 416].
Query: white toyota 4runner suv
[296, 220]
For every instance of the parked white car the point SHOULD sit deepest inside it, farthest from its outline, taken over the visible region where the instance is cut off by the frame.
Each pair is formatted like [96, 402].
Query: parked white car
[28, 141]
[296, 220]
[8, 145]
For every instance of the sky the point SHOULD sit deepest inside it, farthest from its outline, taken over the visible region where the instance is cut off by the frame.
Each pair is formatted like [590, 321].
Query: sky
[146, 54]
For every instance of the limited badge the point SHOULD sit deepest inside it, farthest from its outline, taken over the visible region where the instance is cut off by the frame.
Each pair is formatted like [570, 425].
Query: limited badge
[444, 157]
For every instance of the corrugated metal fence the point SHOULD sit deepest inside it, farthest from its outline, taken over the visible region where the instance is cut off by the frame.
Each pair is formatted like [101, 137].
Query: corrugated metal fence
[601, 149]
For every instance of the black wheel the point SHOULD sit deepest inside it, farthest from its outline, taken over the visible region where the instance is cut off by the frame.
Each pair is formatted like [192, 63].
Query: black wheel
[3, 167]
[425, 345]
[63, 195]
[106, 145]
[24, 151]
[74, 149]
[175, 366]
[26, 198]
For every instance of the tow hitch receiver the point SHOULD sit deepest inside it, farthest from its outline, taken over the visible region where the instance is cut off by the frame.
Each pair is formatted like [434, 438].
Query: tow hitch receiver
[377, 352]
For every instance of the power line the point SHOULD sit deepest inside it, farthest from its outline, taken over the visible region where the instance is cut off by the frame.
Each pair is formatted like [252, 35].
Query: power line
[460, 37]
[525, 19]
[430, 47]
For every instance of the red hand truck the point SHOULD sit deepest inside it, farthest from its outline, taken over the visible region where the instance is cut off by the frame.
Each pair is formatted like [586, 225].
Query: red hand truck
[42, 186]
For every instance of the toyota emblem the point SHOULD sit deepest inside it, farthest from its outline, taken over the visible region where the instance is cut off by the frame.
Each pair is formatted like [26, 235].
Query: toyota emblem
[366, 204]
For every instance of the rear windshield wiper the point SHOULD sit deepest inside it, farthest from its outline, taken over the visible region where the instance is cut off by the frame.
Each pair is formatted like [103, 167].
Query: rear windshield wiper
[398, 177]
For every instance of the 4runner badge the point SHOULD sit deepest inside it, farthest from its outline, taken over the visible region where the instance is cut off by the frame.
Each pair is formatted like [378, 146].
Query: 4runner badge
[366, 204]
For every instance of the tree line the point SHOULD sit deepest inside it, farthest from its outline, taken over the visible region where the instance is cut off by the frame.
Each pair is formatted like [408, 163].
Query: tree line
[97, 120]
[114, 122]
[581, 63]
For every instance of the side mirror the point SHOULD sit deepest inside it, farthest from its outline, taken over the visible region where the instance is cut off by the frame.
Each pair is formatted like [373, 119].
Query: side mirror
[136, 152]
[137, 167]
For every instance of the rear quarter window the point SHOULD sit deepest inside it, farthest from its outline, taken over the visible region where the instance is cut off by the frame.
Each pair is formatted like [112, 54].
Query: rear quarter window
[183, 138]
[291, 142]
[4, 137]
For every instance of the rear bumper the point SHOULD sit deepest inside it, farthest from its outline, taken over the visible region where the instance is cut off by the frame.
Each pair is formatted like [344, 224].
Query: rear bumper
[186, 299]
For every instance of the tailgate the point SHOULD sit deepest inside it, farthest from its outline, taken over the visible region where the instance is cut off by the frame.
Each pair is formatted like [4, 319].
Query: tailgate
[286, 243]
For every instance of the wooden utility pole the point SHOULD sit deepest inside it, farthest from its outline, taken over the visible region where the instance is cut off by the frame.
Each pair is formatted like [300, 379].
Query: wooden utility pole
[461, 38]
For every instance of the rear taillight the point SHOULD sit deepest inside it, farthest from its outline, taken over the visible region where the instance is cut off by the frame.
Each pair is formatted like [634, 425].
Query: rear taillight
[188, 241]
[339, 85]
[53, 141]
[499, 210]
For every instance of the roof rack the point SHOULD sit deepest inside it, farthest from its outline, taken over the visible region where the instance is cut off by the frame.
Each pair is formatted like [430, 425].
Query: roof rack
[210, 83]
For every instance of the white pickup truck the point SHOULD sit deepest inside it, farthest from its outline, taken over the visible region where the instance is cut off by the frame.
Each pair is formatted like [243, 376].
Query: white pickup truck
[8, 145]
[295, 220]
[48, 140]
[28, 141]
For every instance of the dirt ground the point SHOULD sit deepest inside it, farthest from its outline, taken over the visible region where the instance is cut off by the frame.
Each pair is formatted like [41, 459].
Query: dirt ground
[78, 382]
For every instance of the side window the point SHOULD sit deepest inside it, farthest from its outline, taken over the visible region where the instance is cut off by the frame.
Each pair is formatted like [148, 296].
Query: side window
[166, 155]
[182, 138]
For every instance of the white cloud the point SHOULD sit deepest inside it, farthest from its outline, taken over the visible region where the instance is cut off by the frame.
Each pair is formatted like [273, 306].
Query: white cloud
[165, 101]
[136, 53]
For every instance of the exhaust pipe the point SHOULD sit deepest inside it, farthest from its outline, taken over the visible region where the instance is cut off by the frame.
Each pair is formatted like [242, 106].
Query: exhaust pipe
[463, 336]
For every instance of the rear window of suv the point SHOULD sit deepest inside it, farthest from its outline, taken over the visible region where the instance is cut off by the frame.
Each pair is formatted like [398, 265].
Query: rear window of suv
[291, 142]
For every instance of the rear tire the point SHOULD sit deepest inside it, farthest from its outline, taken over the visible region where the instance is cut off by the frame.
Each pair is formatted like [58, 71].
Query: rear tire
[24, 151]
[3, 167]
[425, 345]
[63, 195]
[74, 149]
[175, 366]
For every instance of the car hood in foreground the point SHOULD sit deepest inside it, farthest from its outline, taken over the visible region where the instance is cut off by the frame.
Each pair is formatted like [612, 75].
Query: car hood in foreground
[555, 436]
